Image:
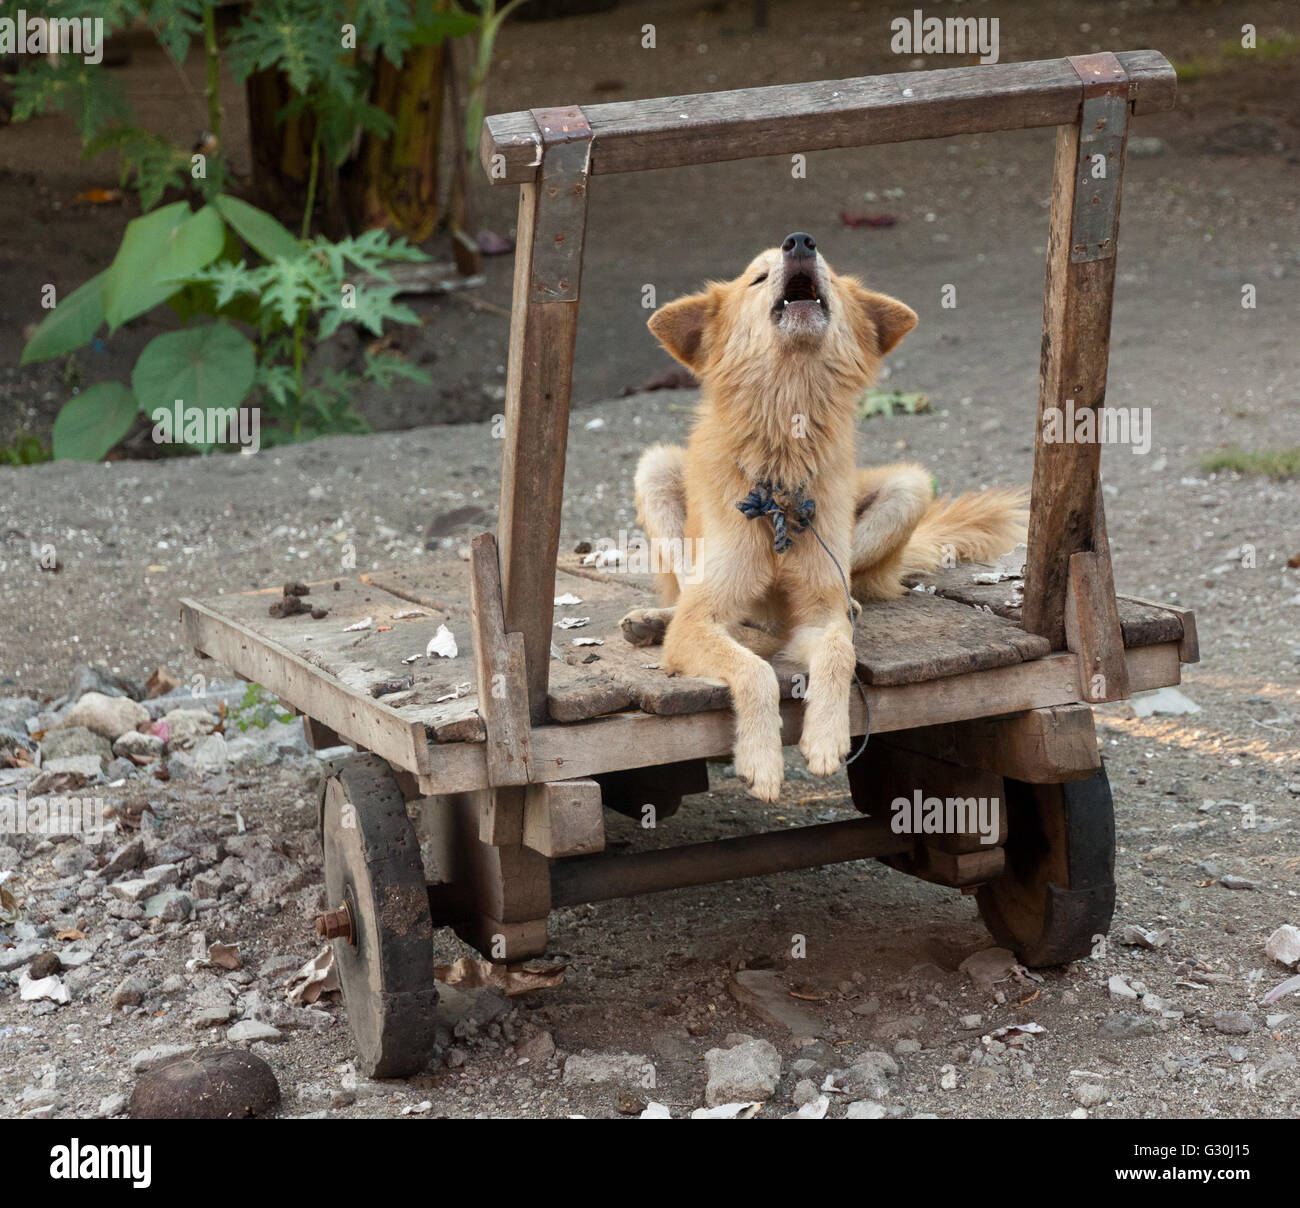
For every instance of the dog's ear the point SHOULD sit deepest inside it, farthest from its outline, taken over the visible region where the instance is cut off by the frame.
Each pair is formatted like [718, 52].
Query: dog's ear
[679, 326]
[884, 320]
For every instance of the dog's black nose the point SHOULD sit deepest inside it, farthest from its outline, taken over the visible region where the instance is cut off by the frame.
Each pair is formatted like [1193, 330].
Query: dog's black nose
[799, 244]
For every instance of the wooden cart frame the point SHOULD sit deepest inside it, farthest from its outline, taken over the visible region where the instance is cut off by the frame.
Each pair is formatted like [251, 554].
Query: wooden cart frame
[515, 821]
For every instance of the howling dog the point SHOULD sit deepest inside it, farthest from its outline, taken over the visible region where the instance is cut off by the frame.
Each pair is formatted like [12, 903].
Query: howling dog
[768, 492]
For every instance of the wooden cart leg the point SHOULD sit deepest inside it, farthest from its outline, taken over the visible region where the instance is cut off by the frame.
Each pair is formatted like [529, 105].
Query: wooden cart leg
[495, 896]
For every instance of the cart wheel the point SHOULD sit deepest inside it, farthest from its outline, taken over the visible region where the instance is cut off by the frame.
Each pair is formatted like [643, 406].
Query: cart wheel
[379, 918]
[1057, 892]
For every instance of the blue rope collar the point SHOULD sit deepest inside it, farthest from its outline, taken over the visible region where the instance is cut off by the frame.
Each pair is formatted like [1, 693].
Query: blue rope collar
[791, 510]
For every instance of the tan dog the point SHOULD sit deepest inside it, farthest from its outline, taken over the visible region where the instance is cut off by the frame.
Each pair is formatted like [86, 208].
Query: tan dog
[783, 354]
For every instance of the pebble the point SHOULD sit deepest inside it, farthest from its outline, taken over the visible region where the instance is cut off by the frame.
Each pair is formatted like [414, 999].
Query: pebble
[1234, 1023]
[747, 1071]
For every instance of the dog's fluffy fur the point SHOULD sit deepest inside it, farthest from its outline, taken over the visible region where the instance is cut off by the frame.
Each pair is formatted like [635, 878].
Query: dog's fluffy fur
[781, 375]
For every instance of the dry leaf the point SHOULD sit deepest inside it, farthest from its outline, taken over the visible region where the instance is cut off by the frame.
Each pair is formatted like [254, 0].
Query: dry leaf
[471, 974]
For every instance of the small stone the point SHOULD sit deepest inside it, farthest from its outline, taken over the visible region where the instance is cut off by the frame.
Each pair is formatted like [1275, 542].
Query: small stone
[1231, 881]
[746, 1072]
[171, 906]
[127, 857]
[69, 741]
[1234, 1023]
[1236, 1052]
[212, 1017]
[805, 1091]
[1127, 1027]
[864, 1109]
[249, 1030]
[111, 1105]
[142, 746]
[47, 964]
[989, 966]
[1283, 946]
[130, 992]
[538, 1049]
[1119, 988]
[1090, 1094]
[155, 1055]
[108, 716]
[588, 1069]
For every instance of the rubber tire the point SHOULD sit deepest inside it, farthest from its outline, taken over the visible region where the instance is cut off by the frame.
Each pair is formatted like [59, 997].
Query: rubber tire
[1057, 893]
[372, 861]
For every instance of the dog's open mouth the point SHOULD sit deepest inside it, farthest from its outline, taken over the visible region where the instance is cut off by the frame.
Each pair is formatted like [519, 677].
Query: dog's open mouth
[800, 295]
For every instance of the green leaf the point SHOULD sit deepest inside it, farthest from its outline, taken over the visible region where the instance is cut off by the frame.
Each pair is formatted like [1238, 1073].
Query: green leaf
[205, 367]
[256, 228]
[70, 324]
[92, 423]
[158, 251]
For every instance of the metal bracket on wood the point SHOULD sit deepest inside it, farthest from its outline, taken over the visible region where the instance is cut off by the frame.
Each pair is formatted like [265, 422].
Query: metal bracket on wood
[1102, 131]
[562, 204]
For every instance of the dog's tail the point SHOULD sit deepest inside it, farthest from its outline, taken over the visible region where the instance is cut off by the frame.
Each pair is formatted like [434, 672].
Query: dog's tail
[978, 526]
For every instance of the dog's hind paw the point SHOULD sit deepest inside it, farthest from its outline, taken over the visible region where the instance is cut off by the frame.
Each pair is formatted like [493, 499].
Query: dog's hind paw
[646, 626]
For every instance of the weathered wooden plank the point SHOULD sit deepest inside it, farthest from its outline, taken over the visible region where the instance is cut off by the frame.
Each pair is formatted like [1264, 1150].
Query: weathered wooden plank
[1083, 228]
[538, 381]
[1092, 628]
[921, 637]
[631, 740]
[1040, 746]
[630, 136]
[500, 672]
[350, 713]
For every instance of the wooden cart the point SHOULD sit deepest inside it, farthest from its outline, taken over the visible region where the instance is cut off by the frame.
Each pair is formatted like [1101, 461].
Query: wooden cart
[512, 752]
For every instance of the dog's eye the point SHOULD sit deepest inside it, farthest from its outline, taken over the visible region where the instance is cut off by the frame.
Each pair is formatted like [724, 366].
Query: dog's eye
[759, 279]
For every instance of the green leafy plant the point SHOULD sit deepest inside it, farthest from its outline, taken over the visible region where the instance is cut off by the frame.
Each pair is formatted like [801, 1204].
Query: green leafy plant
[1270, 463]
[256, 710]
[890, 402]
[196, 262]
[25, 450]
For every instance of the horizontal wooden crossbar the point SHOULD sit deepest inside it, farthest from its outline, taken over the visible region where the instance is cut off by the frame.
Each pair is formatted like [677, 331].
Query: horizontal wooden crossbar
[711, 127]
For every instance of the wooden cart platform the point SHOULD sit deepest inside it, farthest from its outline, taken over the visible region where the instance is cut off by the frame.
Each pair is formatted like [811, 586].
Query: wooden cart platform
[924, 659]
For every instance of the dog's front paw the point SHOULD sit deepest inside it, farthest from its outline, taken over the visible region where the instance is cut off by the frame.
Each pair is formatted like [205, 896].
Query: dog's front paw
[762, 768]
[646, 626]
[825, 747]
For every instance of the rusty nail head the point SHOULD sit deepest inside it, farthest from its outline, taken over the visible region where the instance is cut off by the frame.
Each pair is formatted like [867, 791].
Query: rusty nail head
[336, 924]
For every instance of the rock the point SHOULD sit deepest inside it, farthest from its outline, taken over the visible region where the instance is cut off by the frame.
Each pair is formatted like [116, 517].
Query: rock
[184, 726]
[1162, 702]
[120, 769]
[212, 1017]
[814, 1109]
[212, 1084]
[111, 1105]
[765, 993]
[130, 992]
[1127, 1027]
[132, 889]
[47, 964]
[124, 859]
[15, 710]
[12, 741]
[586, 1069]
[1283, 945]
[156, 1055]
[1234, 1023]
[1090, 1094]
[867, 1077]
[172, 906]
[864, 1109]
[1133, 936]
[989, 966]
[538, 1048]
[746, 1072]
[43, 989]
[805, 1091]
[75, 740]
[86, 678]
[21, 954]
[1119, 988]
[142, 746]
[73, 859]
[208, 755]
[88, 767]
[108, 716]
[1229, 881]
[249, 1030]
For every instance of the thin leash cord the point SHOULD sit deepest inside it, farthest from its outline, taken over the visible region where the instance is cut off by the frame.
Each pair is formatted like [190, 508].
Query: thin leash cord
[853, 632]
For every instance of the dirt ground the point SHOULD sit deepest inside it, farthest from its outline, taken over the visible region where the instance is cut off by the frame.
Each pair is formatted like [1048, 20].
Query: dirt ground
[1209, 208]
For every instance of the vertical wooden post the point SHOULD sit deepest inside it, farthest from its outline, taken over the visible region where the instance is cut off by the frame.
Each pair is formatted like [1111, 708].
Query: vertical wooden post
[543, 325]
[1076, 341]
